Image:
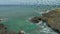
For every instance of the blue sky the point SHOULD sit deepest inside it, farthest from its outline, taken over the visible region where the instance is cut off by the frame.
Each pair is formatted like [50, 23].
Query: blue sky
[31, 2]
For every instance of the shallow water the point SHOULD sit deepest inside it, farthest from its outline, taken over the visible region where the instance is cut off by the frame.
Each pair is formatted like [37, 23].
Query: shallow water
[18, 19]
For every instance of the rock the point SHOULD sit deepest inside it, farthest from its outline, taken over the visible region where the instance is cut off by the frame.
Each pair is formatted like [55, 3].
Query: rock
[11, 32]
[35, 19]
[21, 32]
[2, 26]
[52, 19]
[3, 29]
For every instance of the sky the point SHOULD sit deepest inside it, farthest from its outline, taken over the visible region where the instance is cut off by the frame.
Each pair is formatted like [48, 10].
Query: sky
[30, 2]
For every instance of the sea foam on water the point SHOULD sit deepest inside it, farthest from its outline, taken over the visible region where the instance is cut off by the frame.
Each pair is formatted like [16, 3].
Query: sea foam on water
[45, 29]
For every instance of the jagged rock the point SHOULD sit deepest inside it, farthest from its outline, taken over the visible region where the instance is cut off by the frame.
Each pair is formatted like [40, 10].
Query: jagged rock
[51, 18]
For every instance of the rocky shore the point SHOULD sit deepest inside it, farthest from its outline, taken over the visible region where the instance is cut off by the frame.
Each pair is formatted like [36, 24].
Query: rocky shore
[52, 19]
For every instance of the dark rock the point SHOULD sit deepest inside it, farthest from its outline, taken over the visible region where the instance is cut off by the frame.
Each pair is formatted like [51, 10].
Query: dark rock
[1, 26]
[35, 19]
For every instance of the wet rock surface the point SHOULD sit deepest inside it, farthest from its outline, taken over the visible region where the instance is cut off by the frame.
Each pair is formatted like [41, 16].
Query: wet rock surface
[51, 18]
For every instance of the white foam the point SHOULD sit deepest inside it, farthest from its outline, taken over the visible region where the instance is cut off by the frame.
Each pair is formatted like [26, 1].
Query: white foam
[39, 12]
[47, 11]
[28, 21]
[39, 23]
[42, 12]
[46, 29]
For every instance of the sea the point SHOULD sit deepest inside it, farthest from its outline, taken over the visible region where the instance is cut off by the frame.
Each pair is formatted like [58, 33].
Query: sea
[16, 18]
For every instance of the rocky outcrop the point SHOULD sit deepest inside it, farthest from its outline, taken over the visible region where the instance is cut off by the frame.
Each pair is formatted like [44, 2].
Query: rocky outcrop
[51, 18]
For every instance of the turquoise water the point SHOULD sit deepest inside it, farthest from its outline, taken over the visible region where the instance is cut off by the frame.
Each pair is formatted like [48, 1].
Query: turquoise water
[18, 17]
